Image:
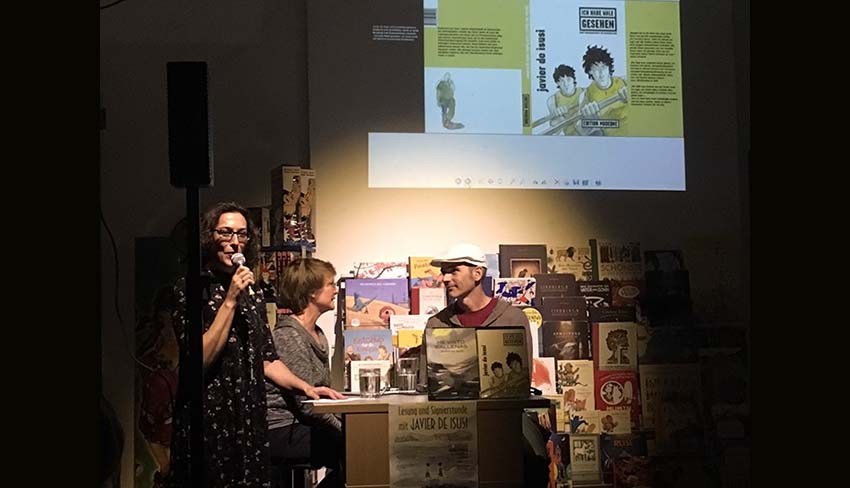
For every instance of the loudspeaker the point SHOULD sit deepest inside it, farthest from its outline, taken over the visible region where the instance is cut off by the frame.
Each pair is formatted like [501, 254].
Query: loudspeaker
[189, 138]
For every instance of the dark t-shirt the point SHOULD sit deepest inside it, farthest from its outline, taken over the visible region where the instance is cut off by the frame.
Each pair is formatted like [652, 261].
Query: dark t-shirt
[475, 319]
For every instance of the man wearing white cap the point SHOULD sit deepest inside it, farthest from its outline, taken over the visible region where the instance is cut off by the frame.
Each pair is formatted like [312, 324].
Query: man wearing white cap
[463, 269]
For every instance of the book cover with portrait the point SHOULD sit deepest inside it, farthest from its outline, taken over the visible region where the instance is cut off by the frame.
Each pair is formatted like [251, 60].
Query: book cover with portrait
[614, 345]
[503, 363]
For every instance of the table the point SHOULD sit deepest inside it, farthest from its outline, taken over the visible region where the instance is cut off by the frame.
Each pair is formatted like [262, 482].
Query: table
[366, 432]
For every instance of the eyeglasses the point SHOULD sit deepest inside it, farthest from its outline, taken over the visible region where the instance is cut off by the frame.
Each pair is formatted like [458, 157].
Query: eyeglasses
[228, 234]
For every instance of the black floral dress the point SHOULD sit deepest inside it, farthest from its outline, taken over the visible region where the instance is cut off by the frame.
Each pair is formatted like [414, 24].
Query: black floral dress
[236, 448]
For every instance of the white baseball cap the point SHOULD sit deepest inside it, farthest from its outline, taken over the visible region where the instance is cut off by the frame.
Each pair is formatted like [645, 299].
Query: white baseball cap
[462, 254]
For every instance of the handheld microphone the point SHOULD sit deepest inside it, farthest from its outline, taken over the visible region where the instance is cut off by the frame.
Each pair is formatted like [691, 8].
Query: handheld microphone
[239, 260]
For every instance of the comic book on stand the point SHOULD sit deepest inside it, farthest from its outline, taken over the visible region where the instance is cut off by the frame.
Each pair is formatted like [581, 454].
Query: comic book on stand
[503, 362]
[574, 260]
[522, 260]
[452, 363]
[371, 302]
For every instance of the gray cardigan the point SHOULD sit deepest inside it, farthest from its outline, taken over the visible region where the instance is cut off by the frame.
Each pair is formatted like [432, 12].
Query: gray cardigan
[308, 360]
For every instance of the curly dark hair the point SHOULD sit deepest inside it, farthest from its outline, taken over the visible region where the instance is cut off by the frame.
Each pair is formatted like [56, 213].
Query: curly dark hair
[564, 70]
[512, 356]
[595, 55]
[209, 222]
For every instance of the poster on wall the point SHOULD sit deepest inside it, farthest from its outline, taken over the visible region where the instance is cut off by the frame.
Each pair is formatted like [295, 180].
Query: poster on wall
[433, 444]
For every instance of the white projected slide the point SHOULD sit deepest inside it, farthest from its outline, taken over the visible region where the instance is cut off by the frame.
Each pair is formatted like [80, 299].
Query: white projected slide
[491, 161]
[543, 94]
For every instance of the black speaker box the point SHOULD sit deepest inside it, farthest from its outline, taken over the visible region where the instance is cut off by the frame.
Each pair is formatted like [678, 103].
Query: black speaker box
[189, 140]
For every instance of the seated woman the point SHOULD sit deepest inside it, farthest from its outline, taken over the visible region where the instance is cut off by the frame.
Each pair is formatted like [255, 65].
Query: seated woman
[296, 434]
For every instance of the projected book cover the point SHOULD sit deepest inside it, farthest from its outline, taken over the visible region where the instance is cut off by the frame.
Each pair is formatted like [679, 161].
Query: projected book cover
[553, 67]
[581, 71]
